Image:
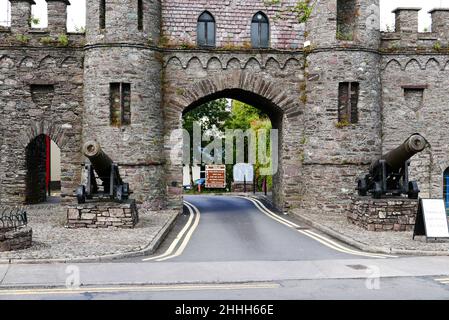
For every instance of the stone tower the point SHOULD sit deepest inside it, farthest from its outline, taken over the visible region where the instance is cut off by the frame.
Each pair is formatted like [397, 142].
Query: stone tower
[122, 90]
[342, 41]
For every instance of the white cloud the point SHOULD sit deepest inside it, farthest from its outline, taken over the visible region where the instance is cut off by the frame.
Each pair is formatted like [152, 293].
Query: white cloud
[77, 12]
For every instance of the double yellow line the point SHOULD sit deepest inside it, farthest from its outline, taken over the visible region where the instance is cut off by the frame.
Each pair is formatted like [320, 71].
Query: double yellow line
[149, 288]
[313, 235]
[183, 236]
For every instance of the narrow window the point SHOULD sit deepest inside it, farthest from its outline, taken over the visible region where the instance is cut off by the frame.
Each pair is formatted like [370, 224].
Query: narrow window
[102, 12]
[346, 19]
[140, 14]
[260, 31]
[206, 30]
[348, 99]
[414, 98]
[120, 104]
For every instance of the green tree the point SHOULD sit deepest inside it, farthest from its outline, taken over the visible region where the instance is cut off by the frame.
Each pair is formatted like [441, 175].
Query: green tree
[244, 117]
[210, 115]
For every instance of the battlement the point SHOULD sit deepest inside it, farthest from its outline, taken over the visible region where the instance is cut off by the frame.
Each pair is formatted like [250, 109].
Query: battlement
[407, 35]
[21, 17]
[21, 32]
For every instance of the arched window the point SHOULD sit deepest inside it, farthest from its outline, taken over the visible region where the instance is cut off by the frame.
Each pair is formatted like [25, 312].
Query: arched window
[446, 189]
[206, 30]
[260, 31]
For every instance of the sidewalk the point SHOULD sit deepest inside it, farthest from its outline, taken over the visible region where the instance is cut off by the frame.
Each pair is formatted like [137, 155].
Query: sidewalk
[169, 273]
[53, 242]
[338, 227]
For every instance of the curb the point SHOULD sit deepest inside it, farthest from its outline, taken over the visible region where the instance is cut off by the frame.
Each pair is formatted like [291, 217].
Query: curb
[147, 250]
[364, 247]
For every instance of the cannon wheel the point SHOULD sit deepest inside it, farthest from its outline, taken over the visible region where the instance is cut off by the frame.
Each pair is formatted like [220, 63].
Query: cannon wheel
[125, 191]
[81, 194]
[377, 192]
[119, 193]
[413, 190]
[362, 187]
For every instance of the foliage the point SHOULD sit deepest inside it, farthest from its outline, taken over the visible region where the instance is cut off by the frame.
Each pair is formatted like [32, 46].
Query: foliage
[437, 46]
[242, 116]
[303, 10]
[23, 38]
[211, 114]
[216, 115]
[46, 40]
[63, 40]
[342, 124]
[33, 21]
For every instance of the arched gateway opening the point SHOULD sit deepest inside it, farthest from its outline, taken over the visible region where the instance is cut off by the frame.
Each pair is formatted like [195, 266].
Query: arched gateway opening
[43, 170]
[242, 115]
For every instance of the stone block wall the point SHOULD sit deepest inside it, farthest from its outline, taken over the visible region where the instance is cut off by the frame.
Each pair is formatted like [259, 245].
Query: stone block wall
[398, 214]
[415, 101]
[233, 22]
[103, 215]
[16, 240]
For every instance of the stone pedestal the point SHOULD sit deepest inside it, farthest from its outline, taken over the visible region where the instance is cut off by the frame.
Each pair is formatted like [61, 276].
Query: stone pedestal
[391, 214]
[16, 239]
[103, 215]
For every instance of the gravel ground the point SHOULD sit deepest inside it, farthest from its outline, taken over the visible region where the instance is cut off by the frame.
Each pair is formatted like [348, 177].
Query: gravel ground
[393, 240]
[51, 240]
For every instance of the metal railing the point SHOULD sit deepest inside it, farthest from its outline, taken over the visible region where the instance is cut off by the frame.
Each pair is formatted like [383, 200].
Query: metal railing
[12, 219]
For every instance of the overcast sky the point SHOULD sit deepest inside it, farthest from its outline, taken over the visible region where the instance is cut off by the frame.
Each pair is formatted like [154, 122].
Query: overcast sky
[77, 12]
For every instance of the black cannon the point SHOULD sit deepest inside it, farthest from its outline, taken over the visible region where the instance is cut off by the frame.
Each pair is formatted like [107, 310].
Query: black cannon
[389, 175]
[107, 171]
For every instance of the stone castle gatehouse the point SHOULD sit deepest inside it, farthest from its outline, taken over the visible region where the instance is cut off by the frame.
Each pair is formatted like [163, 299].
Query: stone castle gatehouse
[340, 91]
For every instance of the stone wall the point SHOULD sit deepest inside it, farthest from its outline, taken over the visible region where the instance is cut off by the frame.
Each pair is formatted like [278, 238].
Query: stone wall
[16, 240]
[414, 91]
[103, 215]
[398, 214]
[320, 158]
[31, 59]
[233, 22]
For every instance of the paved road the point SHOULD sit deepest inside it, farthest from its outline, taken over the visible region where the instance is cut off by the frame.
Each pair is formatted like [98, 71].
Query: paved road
[234, 229]
[232, 248]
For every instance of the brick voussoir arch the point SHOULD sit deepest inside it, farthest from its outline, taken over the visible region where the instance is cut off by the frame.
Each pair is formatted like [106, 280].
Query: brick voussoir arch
[35, 129]
[237, 80]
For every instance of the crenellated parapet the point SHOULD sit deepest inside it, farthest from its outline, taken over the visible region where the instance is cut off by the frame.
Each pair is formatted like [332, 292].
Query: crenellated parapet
[22, 34]
[406, 35]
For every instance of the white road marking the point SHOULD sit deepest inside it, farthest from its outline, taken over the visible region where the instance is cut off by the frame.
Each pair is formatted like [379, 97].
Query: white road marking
[323, 240]
[177, 239]
[187, 237]
[150, 288]
[274, 217]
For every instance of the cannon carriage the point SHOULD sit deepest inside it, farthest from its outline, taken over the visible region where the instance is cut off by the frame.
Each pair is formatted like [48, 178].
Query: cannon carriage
[389, 175]
[101, 167]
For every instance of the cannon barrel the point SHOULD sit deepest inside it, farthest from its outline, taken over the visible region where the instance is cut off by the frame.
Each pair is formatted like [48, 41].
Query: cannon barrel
[99, 159]
[396, 158]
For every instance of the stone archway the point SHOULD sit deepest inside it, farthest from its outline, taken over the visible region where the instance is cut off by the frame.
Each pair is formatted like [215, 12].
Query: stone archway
[270, 97]
[37, 143]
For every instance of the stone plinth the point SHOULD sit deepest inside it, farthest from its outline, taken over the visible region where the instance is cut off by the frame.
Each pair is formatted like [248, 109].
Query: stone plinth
[103, 215]
[16, 239]
[393, 214]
